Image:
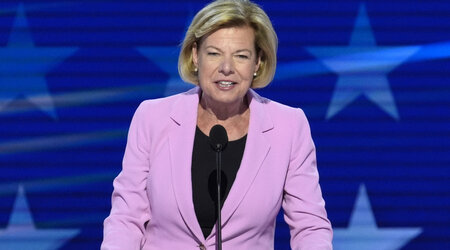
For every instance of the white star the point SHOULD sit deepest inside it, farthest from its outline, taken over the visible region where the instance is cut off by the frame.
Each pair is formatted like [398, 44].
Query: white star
[363, 233]
[23, 67]
[362, 67]
[20, 234]
[167, 60]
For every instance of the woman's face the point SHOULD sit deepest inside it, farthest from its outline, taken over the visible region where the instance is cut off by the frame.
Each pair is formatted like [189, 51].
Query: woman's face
[226, 61]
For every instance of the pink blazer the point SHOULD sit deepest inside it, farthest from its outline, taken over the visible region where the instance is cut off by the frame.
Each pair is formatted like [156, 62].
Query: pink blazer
[152, 205]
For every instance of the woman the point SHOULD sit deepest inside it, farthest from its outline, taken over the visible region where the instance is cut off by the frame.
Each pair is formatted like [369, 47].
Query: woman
[162, 200]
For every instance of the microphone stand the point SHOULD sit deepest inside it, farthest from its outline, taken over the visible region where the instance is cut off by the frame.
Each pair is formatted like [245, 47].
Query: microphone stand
[219, 179]
[218, 139]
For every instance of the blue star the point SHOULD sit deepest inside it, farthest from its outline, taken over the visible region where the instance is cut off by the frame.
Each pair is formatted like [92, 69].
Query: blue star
[362, 67]
[23, 67]
[21, 234]
[167, 60]
[363, 233]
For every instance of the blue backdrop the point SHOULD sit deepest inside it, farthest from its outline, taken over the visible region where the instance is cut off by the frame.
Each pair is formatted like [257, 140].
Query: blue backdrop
[372, 77]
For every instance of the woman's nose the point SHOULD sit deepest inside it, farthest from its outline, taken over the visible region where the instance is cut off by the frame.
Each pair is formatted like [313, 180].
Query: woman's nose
[226, 66]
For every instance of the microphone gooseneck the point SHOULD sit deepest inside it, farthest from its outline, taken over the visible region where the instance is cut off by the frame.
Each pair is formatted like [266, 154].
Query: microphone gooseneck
[218, 139]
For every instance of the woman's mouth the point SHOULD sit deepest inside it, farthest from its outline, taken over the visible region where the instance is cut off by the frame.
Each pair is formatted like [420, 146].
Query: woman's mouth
[225, 84]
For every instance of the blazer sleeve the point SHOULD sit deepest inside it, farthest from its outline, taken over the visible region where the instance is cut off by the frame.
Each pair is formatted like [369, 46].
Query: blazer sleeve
[303, 205]
[125, 226]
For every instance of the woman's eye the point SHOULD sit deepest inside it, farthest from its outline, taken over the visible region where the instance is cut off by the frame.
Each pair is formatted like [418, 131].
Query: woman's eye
[213, 53]
[243, 56]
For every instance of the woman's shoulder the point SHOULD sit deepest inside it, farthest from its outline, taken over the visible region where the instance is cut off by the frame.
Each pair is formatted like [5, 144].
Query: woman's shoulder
[281, 112]
[164, 105]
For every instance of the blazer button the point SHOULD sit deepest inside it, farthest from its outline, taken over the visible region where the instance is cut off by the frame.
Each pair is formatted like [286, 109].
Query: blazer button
[202, 247]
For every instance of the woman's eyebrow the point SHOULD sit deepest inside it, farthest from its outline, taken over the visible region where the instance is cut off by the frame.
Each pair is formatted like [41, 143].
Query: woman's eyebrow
[237, 51]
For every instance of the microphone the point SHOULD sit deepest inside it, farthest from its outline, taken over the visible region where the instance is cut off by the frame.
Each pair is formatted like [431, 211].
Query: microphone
[218, 139]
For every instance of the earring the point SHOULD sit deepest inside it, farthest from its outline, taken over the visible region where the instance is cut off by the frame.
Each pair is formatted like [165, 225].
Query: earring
[196, 70]
[254, 74]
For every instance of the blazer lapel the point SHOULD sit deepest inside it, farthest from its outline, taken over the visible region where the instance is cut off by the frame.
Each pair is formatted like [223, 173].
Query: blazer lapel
[181, 139]
[256, 149]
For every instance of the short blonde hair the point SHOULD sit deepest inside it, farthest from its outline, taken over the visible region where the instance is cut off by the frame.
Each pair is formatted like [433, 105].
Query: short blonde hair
[231, 13]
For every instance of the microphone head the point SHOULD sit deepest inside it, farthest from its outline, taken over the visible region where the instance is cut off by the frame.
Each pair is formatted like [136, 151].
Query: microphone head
[218, 138]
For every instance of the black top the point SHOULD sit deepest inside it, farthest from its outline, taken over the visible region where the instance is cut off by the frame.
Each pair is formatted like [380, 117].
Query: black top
[204, 187]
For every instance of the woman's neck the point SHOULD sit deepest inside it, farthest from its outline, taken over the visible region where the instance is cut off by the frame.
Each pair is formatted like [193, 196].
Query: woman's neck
[235, 118]
[223, 112]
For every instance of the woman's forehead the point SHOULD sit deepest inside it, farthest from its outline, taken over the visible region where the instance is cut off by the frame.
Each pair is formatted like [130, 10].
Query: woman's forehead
[242, 36]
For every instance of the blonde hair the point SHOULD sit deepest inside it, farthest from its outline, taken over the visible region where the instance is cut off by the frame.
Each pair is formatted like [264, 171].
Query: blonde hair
[230, 13]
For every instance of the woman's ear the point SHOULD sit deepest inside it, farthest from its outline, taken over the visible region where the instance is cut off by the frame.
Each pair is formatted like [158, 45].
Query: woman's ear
[258, 62]
[195, 55]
